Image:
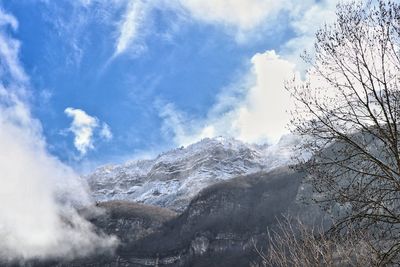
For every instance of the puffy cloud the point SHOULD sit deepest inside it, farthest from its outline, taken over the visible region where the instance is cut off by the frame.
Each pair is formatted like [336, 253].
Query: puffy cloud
[38, 193]
[261, 110]
[83, 126]
[260, 113]
[264, 114]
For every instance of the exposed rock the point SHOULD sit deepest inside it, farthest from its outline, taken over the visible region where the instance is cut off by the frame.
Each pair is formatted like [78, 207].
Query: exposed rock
[219, 227]
[127, 220]
[200, 245]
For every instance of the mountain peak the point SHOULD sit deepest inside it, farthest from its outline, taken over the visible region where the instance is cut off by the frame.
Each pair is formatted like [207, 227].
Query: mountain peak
[174, 177]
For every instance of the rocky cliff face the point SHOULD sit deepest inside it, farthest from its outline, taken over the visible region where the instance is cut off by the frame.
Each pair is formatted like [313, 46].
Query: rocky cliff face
[173, 178]
[218, 228]
[222, 223]
[128, 221]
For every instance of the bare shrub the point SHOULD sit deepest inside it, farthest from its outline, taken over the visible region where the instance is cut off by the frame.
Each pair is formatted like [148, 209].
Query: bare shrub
[295, 244]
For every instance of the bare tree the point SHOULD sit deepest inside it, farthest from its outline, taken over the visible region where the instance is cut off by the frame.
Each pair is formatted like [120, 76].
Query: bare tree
[349, 109]
[296, 244]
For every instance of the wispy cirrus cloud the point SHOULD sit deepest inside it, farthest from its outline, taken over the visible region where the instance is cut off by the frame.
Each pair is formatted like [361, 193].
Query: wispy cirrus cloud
[133, 19]
[105, 132]
[237, 16]
[9, 49]
[8, 20]
[130, 26]
[240, 18]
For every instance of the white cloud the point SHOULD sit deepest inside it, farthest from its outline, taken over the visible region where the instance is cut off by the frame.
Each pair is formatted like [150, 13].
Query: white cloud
[265, 111]
[7, 19]
[260, 111]
[130, 27]
[83, 126]
[244, 15]
[243, 19]
[240, 15]
[34, 194]
[240, 18]
[261, 115]
[9, 49]
[174, 123]
[37, 192]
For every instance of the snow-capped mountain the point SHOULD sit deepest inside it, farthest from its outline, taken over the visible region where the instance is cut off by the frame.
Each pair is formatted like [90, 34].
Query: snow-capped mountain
[173, 178]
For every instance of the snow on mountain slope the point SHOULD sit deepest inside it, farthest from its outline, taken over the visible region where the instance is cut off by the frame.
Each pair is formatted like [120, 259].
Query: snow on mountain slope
[173, 178]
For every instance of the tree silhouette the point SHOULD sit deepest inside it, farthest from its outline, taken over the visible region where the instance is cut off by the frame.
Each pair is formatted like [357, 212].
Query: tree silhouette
[348, 110]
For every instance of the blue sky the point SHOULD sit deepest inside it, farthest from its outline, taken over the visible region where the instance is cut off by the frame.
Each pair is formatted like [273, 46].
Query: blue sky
[114, 80]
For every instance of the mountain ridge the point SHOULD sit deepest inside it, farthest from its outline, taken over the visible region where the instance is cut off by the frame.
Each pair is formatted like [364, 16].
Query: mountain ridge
[174, 177]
